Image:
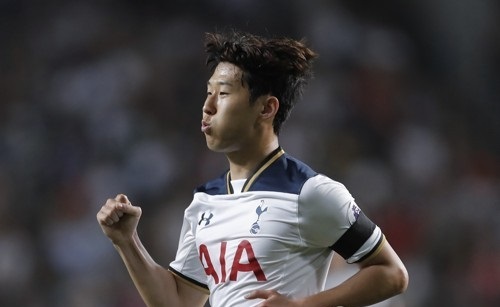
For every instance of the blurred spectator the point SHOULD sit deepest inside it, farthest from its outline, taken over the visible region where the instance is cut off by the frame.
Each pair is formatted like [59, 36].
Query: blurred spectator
[104, 97]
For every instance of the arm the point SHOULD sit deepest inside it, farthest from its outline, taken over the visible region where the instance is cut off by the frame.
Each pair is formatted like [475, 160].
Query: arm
[327, 208]
[380, 277]
[157, 286]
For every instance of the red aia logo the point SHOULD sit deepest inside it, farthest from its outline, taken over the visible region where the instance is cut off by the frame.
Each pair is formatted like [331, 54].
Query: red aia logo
[250, 265]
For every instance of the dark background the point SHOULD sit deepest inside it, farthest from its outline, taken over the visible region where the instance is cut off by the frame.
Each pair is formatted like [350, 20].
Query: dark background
[104, 97]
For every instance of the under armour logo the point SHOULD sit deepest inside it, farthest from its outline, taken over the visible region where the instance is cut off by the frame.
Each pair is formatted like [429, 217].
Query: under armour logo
[206, 219]
[255, 226]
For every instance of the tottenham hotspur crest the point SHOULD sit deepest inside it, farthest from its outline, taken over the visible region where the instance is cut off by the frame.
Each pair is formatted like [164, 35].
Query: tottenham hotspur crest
[255, 226]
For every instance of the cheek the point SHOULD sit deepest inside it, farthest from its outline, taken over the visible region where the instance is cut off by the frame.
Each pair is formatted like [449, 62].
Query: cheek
[231, 114]
[236, 115]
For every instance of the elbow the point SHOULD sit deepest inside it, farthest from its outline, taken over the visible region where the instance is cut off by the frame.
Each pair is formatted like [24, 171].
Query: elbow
[401, 279]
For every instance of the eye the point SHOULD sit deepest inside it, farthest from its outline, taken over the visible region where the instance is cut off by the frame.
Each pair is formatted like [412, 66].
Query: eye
[223, 93]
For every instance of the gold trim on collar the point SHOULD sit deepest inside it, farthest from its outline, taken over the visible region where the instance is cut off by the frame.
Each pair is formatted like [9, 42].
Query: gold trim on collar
[273, 156]
[268, 161]
[228, 183]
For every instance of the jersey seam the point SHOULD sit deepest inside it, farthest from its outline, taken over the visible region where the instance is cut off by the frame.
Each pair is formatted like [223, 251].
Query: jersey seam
[299, 202]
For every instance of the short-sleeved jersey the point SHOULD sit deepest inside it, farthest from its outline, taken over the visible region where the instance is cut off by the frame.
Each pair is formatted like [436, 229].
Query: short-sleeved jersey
[278, 233]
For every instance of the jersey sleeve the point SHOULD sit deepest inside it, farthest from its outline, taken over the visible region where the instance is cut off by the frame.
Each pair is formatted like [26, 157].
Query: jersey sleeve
[187, 263]
[329, 217]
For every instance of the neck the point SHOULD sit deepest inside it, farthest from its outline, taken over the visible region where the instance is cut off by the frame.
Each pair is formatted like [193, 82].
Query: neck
[242, 163]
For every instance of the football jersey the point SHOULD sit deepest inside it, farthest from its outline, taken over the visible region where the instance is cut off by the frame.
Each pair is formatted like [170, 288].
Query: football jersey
[278, 233]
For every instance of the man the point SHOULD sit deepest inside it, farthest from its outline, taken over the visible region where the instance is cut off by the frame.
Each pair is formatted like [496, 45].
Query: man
[262, 234]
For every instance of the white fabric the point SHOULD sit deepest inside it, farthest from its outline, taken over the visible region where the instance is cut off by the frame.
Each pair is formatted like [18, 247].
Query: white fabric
[238, 185]
[289, 236]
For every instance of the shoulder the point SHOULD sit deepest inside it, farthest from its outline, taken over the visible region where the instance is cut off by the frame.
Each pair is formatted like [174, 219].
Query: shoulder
[322, 197]
[287, 175]
[323, 189]
[326, 210]
[215, 186]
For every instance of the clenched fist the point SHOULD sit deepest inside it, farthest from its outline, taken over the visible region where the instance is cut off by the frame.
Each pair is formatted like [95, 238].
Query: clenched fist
[118, 219]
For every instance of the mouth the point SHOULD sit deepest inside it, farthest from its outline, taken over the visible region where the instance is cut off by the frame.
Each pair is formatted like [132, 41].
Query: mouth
[205, 127]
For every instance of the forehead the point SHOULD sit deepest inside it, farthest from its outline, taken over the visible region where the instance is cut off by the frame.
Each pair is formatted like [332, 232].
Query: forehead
[226, 73]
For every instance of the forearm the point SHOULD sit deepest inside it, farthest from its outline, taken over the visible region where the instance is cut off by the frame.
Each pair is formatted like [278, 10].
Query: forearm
[155, 284]
[368, 286]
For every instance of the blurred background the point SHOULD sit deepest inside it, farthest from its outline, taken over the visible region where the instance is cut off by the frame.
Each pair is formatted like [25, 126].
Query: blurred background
[104, 97]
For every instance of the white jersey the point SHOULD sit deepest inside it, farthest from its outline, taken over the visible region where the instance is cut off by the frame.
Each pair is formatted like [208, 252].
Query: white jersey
[279, 233]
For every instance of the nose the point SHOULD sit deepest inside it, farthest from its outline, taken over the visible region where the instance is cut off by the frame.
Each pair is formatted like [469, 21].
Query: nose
[209, 106]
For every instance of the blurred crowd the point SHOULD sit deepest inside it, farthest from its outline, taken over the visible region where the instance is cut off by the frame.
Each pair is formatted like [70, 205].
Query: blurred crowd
[104, 97]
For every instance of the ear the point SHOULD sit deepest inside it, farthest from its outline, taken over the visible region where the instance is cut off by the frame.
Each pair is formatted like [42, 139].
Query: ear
[270, 106]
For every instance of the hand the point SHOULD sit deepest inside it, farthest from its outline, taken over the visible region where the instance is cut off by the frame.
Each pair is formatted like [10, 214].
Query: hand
[272, 299]
[119, 218]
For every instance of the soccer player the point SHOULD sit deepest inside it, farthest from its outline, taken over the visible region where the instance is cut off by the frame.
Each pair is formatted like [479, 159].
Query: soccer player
[264, 232]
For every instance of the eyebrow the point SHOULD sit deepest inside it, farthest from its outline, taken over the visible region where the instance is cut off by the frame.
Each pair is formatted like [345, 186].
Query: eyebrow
[220, 83]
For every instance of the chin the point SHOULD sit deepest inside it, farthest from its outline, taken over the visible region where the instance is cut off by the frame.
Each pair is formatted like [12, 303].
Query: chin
[214, 147]
[217, 149]
[220, 148]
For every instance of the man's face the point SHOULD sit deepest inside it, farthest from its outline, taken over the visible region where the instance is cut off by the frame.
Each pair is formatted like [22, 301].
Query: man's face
[229, 120]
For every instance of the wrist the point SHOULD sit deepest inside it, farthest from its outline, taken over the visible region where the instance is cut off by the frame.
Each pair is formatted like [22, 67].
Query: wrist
[126, 241]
